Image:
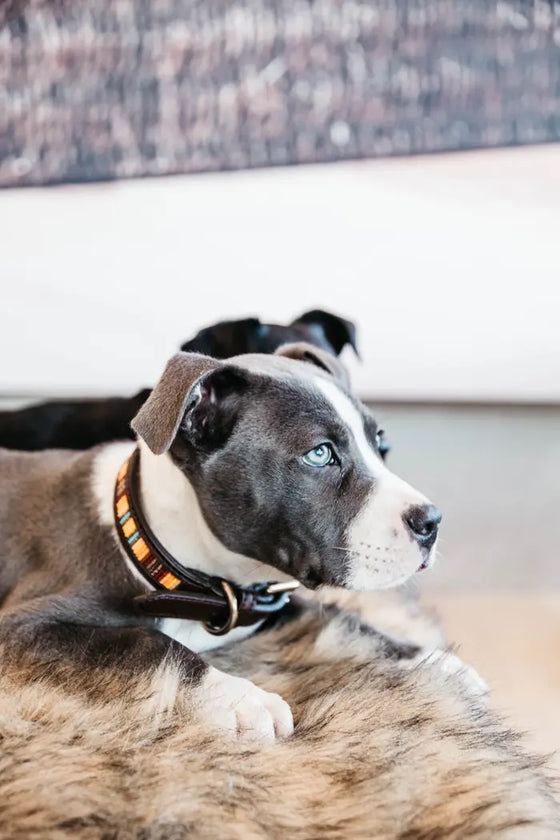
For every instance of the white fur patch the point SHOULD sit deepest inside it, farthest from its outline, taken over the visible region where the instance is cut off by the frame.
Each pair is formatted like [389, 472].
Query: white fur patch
[106, 465]
[193, 636]
[105, 468]
[352, 419]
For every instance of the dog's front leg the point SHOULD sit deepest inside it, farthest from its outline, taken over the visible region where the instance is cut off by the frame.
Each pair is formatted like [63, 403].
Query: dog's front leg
[107, 662]
[344, 634]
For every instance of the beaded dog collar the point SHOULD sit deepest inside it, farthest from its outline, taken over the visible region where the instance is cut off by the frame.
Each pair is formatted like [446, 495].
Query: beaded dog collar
[182, 592]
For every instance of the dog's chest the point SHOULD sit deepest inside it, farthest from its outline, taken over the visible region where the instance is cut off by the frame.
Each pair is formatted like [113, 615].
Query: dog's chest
[192, 634]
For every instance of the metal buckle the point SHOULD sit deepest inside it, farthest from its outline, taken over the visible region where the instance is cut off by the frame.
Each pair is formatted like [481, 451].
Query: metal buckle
[233, 612]
[229, 592]
[276, 588]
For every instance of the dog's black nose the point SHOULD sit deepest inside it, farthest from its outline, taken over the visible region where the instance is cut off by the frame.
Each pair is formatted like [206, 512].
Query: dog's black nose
[423, 522]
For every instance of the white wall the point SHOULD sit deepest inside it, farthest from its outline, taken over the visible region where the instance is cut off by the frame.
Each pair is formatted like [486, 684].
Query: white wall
[449, 264]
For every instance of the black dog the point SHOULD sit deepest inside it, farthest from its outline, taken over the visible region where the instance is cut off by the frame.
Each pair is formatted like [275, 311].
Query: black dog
[80, 424]
[231, 338]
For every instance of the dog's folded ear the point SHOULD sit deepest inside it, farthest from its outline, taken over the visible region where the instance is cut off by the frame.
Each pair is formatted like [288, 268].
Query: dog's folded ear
[338, 331]
[159, 418]
[303, 352]
[195, 392]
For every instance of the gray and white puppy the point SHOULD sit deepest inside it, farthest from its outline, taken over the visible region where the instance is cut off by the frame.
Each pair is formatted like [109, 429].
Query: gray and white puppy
[255, 468]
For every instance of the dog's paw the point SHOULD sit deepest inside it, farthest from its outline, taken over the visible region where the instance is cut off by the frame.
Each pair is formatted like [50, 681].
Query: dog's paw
[451, 665]
[242, 709]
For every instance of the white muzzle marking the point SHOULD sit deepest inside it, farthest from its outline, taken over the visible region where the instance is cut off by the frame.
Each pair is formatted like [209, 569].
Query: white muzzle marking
[381, 549]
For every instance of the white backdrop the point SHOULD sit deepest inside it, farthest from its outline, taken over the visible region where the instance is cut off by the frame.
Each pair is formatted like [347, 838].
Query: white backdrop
[449, 265]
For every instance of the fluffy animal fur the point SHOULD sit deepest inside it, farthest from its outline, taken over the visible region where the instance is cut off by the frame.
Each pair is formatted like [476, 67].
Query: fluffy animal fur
[379, 752]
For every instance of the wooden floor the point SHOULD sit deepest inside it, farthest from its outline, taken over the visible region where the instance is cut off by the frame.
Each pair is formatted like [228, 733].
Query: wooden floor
[513, 640]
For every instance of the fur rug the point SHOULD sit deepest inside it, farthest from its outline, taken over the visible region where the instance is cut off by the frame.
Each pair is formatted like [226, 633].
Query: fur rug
[381, 751]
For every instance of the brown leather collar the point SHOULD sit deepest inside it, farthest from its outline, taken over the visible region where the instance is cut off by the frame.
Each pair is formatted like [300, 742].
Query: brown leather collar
[183, 592]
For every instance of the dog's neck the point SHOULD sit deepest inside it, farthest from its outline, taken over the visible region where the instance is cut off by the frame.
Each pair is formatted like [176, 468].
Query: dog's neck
[172, 511]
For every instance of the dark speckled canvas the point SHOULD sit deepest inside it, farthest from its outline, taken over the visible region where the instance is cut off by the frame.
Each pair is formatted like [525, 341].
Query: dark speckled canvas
[119, 88]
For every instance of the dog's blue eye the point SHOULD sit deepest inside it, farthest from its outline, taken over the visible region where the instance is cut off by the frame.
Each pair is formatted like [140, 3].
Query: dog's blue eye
[321, 456]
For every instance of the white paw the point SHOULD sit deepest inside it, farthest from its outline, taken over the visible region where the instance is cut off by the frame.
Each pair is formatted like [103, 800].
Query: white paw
[450, 664]
[240, 708]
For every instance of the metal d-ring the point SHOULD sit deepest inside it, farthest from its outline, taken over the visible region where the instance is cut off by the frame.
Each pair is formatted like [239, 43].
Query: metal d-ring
[233, 607]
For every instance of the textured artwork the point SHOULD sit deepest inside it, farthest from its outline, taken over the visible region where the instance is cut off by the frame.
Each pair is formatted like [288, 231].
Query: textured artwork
[121, 88]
